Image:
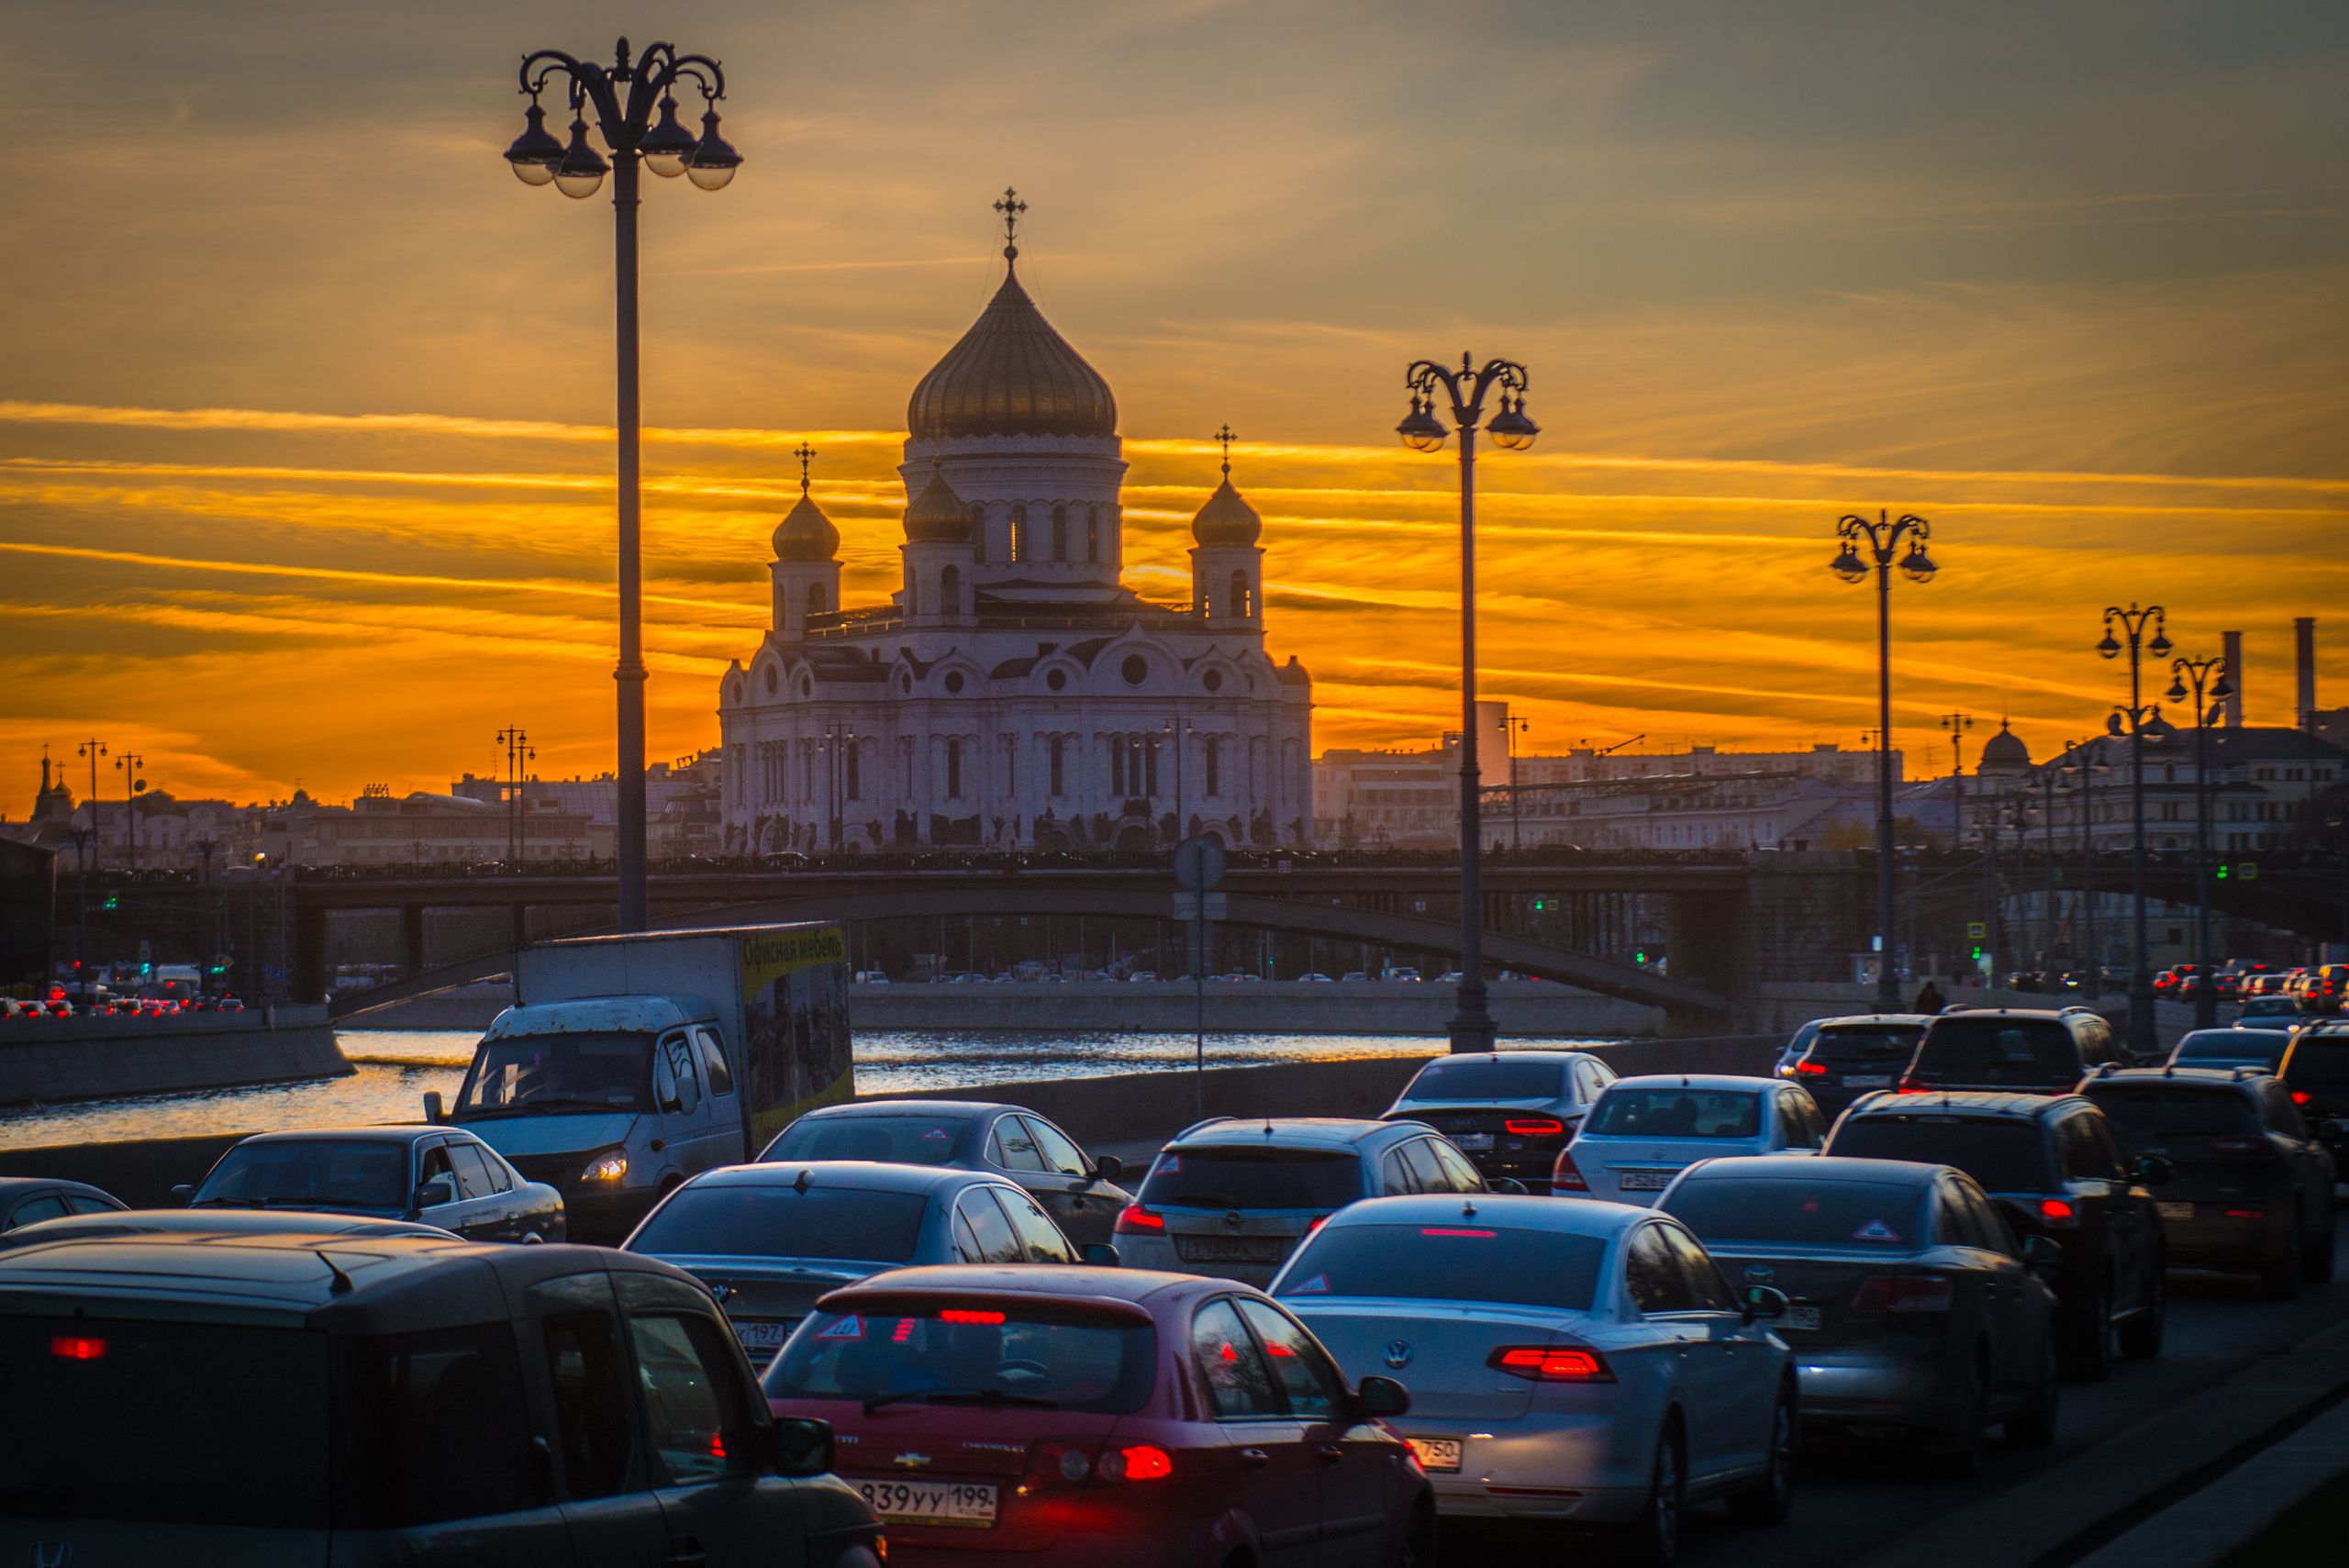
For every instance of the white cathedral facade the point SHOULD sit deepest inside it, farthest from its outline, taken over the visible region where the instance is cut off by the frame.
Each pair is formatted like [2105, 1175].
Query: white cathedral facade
[1014, 692]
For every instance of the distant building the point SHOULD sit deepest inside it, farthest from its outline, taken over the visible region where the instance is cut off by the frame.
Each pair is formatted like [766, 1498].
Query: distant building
[1585, 764]
[680, 807]
[418, 829]
[2261, 782]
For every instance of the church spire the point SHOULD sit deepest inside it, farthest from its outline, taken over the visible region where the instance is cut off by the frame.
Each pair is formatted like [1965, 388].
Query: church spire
[1010, 206]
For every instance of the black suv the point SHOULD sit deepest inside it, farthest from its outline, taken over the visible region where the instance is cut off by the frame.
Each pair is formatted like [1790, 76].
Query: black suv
[2016, 1050]
[1508, 1112]
[1848, 1057]
[2315, 1068]
[2052, 1165]
[2249, 1190]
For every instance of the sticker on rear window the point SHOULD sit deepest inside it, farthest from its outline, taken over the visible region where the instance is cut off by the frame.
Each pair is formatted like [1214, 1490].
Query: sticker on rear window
[1318, 1286]
[850, 1328]
[937, 1135]
[1876, 1230]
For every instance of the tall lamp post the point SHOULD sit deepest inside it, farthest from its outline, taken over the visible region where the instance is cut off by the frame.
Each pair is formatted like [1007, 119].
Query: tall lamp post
[2137, 719]
[1472, 1024]
[1883, 537]
[1516, 727]
[624, 98]
[518, 751]
[2204, 683]
[2082, 768]
[130, 763]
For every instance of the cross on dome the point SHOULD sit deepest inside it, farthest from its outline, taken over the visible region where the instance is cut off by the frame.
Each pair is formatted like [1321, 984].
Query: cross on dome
[806, 454]
[1226, 437]
[1010, 206]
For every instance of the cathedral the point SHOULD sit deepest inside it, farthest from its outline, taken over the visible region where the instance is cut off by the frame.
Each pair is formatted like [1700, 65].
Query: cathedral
[1014, 692]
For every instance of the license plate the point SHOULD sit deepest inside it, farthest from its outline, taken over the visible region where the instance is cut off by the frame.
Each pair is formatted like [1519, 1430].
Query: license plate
[1799, 1318]
[1868, 1081]
[2178, 1211]
[1232, 1249]
[763, 1336]
[956, 1505]
[1647, 1180]
[1437, 1453]
[1475, 1142]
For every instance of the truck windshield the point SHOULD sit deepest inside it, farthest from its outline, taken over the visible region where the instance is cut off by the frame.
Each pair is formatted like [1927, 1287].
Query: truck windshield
[525, 1075]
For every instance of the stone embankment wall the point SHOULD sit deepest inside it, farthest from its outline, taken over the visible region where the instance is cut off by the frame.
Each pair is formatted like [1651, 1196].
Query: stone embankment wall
[44, 1059]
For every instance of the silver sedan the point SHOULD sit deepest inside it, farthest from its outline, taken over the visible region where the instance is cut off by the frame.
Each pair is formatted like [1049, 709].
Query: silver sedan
[1569, 1361]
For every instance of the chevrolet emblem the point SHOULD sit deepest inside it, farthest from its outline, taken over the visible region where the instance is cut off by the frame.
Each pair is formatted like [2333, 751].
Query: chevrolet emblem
[911, 1461]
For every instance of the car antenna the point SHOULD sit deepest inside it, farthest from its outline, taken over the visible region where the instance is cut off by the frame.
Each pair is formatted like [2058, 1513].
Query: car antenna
[1268, 1126]
[1468, 1208]
[342, 1281]
[800, 1183]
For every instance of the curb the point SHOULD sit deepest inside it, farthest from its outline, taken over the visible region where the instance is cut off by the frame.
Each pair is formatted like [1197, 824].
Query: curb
[2204, 1527]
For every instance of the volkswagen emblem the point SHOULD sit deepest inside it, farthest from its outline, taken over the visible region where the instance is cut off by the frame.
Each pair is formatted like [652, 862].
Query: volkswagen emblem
[1760, 1274]
[1232, 1220]
[1398, 1353]
[911, 1461]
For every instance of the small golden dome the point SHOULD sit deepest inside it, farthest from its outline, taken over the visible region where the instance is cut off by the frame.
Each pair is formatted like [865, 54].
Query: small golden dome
[806, 534]
[938, 516]
[1226, 518]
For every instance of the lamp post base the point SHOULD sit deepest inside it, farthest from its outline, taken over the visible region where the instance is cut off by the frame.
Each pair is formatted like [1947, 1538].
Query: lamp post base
[2144, 1039]
[1471, 1028]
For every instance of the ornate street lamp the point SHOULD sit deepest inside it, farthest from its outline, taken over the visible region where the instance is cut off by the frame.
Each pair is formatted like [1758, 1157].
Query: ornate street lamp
[624, 98]
[2137, 719]
[2208, 688]
[1472, 1023]
[2080, 769]
[1883, 537]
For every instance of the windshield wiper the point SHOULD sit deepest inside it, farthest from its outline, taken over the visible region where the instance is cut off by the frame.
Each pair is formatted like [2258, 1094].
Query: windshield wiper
[227, 1203]
[987, 1396]
[559, 1102]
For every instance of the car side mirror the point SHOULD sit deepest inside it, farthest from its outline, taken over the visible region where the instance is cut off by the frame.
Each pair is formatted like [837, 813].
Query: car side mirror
[2043, 1252]
[1100, 1254]
[1108, 1168]
[2154, 1170]
[1382, 1396]
[1506, 1185]
[803, 1446]
[435, 1192]
[433, 1113]
[184, 1193]
[1764, 1304]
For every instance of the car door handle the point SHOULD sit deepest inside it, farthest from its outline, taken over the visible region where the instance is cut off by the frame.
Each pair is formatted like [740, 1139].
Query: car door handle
[1329, 1453]
[685, 1553]
[1254, 1458]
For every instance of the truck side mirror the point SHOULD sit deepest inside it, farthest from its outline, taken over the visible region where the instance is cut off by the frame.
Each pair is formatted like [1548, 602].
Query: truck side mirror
[433, 1113]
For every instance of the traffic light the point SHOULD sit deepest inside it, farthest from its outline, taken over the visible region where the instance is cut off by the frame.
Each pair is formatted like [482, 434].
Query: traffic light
[1540, 904]
[1638, 955]
[2223, 871]
[114, 900]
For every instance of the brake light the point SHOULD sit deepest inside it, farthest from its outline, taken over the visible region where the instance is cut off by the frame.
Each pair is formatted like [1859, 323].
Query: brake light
[1565, 1176]
[1910, 1084]
[1535, 1126]
[1809, 1069]
[77, 1347]
[1902, 1293]
[1137, 1461]
[968, 1316]
[2301, 1096]
[2057, 1211]
[2246, 1214]
[1455, 1230]
[1135, 1220]
[1551, 1363]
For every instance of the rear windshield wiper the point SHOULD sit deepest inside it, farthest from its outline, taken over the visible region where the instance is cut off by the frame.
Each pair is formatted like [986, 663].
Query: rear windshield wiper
[988, 1396]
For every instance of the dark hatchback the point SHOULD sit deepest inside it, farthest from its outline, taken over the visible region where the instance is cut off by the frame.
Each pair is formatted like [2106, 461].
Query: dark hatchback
[1510, 1113]
[2316, 1070]
[1850, 1057]
[1079, 1192]
[434, 1175]
[2052, 1163]
[2250, 1187]
[2011, 1050]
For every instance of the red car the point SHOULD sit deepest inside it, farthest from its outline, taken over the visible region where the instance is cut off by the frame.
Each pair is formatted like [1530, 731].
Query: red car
[1086, 1416]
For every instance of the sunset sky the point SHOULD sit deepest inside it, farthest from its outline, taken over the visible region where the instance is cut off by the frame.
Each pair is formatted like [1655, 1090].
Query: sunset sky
[305, 401]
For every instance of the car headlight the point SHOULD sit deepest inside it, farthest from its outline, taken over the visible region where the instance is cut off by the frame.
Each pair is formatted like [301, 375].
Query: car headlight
[609, 1166]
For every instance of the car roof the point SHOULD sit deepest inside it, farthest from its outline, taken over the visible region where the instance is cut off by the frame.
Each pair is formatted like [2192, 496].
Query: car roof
[1920, 1020]
[2049, 1015]
[963, 1110]
[1567, 1216]
[1813, 1168]
[379, 1284]
[1537, 1056]
[218, 1222]
[1963, 1101]
[849, 1175]
[18, 1186]
[403, 1134]
[1717, 1081]
[1308, 1132]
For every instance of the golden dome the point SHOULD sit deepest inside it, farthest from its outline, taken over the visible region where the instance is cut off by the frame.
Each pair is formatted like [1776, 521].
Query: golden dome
[938, 516]
[1226, 518]
[806, 534]
[1011, 374]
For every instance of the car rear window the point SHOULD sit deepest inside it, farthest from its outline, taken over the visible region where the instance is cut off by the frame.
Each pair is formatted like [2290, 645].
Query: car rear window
[311, 1173]
[1979, 1049]
[899, 1140]
[1886, 1216]
[1474, 1079]
[2320, 1063]
[1448, 1261]
[1272, 1177]
[1870, 1043]
[733, 1221]
[163, 1422]
[1676, 1113]
[2232, 1045]
[2139, 1111]
[2004, 1155]
[966, 1354]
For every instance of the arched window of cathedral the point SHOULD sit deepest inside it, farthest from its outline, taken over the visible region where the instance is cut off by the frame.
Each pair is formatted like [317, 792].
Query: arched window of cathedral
[979, 528]
[1059, 761]
[1093, 533]
[1019, 533]
[852, 771]
[949, 592]
[815, 604]
[1241, 606]
[734, 691]
[953, 767]
[1059, 532]
[1214, 761]
[1116, 764]
[769, 680]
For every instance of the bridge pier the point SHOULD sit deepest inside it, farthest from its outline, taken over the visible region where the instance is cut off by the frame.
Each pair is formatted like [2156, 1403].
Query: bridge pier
[411, 937]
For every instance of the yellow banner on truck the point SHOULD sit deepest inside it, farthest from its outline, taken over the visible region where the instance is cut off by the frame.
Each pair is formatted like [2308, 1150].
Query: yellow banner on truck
[795, 1051]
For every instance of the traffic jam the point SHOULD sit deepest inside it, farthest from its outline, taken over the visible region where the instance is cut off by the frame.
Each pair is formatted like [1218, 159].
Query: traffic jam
[612, 1306]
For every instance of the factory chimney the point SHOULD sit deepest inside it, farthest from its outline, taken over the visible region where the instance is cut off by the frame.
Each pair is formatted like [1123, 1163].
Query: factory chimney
[2231, 709]
[2304, 661]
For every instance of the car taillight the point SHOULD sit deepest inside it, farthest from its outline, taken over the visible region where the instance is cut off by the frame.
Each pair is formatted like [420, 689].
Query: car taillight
[1551, 1363]
[1902, 1293]
[1055, 1462]
[2301, 1096]
[1809, 1069]
[2246, 1214]
[2057, 1211]
[1136, 1461]
[1565, 1176]
[1535, 1126]
[77, 1347]
[1135, 1220]
[2239, 1146]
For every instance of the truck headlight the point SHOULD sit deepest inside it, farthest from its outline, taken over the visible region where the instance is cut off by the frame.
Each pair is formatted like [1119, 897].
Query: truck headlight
[609, 1166]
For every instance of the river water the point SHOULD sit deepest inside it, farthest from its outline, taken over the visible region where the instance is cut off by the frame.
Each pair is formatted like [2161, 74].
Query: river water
[396, 1067]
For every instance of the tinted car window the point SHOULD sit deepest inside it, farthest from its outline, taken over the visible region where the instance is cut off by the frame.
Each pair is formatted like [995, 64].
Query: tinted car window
[1237, 1381]
[1871, 1043]
[431, 1427]
[323, 1173]
[1486, 1079]
[1467, 1261]
[1085, 1364]
[1706, 1286]
[893, 1139]
[1462, 1176]
[472, 1172]
[1041, 1240]
[1011, 1147]
[1986, 1048]
[1732, 1210]
[1394, 1177]
[1675, 1113]
[695, 1417]
[713, 1063]
[987, 1237]
[159, 1422]
[1059, 1154]
[1307, 1380]
[2320, 1063]
[49, 1205]
[2086, 1150]
[593, 1433]
[1653, 1274]
[1253, 1178]
[2232, 1045]
[777, 1222]
[2003, 1154]
[2142, 1112]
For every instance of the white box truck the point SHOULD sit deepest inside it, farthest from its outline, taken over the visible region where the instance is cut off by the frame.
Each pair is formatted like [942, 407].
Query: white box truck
[629, 1063]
